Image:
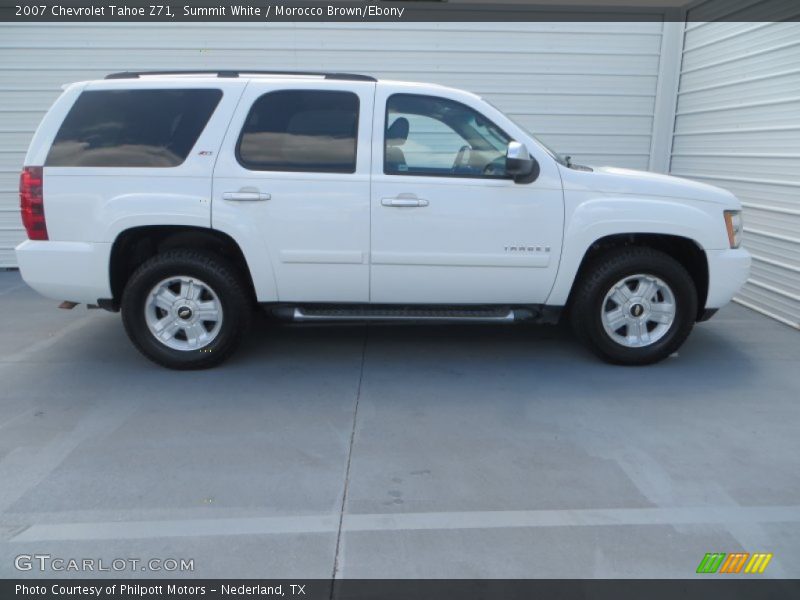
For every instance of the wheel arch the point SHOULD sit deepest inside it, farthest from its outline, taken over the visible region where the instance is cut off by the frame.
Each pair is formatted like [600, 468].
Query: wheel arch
[685, 251]
[135, 245]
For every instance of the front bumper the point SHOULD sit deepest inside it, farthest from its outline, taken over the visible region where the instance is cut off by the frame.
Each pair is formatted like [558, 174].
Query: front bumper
[74, 271]
[728, 271]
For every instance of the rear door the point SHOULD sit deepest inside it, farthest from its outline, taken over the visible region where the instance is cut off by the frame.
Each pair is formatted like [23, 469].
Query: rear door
[293, 178]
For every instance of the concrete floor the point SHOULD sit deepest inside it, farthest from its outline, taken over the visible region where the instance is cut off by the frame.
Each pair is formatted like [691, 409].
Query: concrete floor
[461, 452]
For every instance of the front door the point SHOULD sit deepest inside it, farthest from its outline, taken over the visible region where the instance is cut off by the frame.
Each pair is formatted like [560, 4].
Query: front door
[448, 225]
[294, 174]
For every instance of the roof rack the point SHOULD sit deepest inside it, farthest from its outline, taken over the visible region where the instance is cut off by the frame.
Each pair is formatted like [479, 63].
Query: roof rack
[245, 72]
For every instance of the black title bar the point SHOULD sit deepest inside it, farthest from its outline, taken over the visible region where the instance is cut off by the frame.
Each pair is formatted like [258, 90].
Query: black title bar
[707, 588]
[367, 11]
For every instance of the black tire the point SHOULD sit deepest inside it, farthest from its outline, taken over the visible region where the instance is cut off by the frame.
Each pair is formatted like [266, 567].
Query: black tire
[217, 274]
[598, 278]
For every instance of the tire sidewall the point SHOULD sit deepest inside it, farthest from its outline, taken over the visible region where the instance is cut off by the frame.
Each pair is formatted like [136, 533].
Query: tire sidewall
[685, 295]
[134, 302]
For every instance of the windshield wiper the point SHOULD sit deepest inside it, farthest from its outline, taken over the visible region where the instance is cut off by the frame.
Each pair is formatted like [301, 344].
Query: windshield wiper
[571, 165]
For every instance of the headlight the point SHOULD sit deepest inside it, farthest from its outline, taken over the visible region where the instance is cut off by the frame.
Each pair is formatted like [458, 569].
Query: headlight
[733, 223]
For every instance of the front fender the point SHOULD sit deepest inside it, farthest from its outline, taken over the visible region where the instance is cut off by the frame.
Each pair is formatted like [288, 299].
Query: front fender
[590, 220]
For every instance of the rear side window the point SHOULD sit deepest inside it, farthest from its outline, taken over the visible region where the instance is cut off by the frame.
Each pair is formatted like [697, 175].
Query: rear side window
[132, 128]
[301, 130]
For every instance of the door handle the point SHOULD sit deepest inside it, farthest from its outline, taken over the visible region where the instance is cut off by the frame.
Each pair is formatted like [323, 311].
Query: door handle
[245, 196]
[404, 202]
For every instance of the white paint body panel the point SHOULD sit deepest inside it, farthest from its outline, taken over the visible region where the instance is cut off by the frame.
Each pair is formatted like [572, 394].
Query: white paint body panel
[610, 201]
[314, 229]
[61, 270]
[453, 250]
[328, 237]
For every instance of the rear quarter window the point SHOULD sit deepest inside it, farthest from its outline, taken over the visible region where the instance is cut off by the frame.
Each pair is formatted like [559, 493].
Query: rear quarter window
[132, 128]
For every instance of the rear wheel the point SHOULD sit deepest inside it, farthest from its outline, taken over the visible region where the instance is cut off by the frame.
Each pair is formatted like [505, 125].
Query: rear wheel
[186, 309]
[634, 306]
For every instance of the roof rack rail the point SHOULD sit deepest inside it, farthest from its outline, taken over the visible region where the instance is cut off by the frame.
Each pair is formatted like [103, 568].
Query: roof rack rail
[240, 72]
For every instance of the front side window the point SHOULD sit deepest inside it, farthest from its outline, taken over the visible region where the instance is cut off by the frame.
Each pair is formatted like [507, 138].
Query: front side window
[437, 137]
[301, 130]
[132, 128]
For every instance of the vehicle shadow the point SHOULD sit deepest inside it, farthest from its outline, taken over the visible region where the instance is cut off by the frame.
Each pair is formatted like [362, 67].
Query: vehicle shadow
[541, 356]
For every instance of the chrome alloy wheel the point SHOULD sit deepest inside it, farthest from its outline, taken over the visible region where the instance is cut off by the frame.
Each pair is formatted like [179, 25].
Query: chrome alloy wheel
[638, 311]
[183, 313]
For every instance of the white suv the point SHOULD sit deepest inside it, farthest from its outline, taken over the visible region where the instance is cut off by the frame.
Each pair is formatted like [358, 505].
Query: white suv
[187, 199]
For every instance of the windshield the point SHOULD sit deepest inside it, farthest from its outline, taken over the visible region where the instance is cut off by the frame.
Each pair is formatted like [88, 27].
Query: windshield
[558, 158]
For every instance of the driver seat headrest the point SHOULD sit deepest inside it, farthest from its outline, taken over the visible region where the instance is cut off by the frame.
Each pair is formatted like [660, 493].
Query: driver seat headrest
[398, 132]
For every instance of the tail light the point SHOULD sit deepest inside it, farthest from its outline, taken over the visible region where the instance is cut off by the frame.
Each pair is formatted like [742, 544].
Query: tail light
[31, 202]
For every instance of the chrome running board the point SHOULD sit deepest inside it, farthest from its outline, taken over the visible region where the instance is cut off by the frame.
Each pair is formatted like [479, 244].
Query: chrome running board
[438, 315]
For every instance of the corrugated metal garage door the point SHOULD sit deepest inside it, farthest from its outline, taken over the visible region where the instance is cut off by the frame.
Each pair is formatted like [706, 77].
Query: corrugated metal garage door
[738, 127]
[587, 88]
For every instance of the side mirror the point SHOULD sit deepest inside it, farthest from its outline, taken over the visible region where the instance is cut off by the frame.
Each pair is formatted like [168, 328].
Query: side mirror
[520, 164]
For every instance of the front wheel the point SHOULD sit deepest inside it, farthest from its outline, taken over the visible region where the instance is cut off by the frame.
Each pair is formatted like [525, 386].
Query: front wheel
[634, 306]
[186, 309]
